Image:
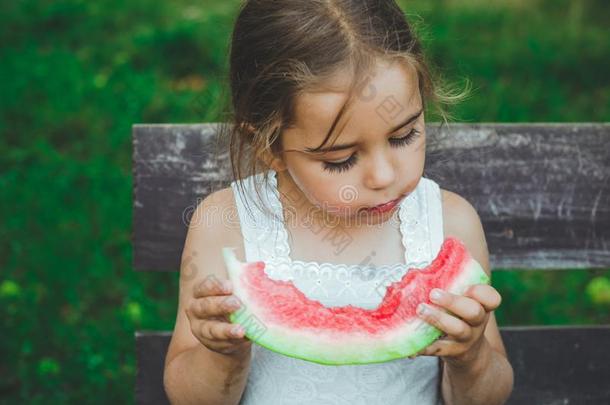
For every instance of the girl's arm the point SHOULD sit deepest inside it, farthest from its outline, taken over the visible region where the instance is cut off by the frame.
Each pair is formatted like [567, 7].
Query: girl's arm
[488, 381]
[201, 376]
[195, 374]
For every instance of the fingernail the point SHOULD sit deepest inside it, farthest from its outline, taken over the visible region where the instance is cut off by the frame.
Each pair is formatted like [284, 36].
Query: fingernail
[422, 309]
[436, 294]
[226, 285]
[233, 302]
[236, 330]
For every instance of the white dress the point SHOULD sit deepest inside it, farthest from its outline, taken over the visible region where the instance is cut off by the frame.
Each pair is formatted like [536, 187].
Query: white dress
[276, 379]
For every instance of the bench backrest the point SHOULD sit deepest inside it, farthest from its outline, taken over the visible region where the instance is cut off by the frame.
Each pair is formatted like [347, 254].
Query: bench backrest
[541, 191]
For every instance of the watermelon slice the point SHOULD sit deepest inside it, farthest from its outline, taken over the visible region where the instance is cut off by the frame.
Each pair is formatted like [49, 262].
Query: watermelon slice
[277, 315]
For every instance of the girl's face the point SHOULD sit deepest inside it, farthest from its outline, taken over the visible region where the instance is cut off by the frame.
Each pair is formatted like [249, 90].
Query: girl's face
[377, 157]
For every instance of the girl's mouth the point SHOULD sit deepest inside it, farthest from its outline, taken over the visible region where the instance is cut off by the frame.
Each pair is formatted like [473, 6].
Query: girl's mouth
[385, 207]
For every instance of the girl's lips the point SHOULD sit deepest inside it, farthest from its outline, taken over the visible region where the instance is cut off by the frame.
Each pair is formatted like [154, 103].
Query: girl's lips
[385, 206]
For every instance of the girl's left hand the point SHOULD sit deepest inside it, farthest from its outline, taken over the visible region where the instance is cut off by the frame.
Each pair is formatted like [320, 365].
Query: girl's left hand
[463, 325]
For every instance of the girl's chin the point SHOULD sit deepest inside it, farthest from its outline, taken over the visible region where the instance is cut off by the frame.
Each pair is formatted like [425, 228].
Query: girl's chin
[355, 216]
[375, 217]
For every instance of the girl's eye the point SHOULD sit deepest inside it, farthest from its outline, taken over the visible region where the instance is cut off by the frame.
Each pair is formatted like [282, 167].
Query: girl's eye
[335, 167]
[405, 140]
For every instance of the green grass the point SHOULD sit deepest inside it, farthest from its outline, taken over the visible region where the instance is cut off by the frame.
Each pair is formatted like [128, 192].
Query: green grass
[76, 75]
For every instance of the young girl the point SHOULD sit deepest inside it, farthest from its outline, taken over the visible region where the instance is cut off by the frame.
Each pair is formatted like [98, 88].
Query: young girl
[328, 101]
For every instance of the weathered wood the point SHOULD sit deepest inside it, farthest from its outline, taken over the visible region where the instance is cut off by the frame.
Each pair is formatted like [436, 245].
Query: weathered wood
[541, 190]
[151, 348]
[559, 364]
[552, 365]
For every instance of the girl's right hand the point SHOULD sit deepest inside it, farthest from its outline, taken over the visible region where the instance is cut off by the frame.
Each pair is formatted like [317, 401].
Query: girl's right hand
[208, 315]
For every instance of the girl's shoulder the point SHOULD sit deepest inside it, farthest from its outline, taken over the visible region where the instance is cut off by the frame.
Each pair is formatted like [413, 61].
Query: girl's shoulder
[461, 220]
[457, 211]
[215, 222]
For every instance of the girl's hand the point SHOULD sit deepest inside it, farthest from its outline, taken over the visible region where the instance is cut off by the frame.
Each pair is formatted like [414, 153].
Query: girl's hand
[463, 325]
[208, 312]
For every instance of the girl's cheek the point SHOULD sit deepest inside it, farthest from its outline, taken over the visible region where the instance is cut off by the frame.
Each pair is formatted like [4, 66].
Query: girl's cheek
[317, 195]
[341, 200]
[329, 192]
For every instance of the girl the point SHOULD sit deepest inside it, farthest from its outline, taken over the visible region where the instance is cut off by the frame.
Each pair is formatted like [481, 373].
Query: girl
[328, 100]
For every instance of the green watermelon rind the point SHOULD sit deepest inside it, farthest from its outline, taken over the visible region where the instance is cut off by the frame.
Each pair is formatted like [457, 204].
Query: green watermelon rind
[421, 335]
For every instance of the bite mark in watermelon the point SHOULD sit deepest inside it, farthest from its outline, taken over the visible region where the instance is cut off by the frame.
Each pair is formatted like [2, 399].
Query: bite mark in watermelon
[277, 315]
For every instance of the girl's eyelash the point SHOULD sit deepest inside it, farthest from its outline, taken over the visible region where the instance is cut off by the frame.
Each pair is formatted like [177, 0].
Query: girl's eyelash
[337, 167]
[406, 139]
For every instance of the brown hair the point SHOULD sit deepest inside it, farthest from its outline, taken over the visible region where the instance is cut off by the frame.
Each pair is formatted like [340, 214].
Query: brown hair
[281, 48]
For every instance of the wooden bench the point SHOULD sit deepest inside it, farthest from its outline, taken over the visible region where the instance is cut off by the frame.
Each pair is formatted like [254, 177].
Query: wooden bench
[541, 191]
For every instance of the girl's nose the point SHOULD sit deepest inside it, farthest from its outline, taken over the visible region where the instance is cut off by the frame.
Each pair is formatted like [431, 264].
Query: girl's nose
[381, 172]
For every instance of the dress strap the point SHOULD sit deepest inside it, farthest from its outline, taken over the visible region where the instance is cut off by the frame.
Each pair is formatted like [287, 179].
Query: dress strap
[421, 223]
[262, 235]
[435, 221]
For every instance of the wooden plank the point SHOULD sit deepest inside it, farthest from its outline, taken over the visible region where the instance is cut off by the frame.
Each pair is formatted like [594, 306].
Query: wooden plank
[151, 348]
[559, 364]
[552, 365]
[541, 190]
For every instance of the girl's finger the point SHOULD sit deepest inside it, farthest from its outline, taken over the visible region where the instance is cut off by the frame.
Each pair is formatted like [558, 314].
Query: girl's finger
[217, 330]
[449, 324]
[226, 346]
[463, 307]
[485, 295]
[439, 348]
[216, 306]
[212, 285]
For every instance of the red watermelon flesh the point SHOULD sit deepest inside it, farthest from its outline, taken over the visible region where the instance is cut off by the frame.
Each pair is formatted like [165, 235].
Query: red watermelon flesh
[278, 316]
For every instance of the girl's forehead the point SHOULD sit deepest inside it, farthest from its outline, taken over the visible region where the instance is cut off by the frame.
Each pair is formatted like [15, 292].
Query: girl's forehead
[386, 97]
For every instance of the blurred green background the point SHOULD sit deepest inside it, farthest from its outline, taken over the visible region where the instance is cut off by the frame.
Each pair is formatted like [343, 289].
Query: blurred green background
[75, 75]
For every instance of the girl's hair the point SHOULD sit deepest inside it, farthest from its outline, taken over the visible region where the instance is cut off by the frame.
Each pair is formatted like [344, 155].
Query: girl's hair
[282, 48]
